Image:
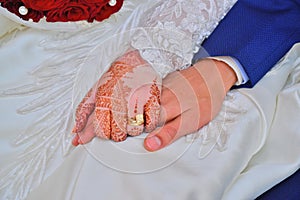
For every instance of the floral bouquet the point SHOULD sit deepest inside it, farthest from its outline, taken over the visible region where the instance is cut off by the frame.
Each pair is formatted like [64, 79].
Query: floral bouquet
[62, 10]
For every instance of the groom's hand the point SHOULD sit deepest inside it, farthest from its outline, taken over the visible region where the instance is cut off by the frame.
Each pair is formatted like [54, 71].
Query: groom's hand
[190, 99]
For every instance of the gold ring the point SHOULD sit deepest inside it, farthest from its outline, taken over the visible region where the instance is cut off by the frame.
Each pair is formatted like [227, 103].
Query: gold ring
[137, 121]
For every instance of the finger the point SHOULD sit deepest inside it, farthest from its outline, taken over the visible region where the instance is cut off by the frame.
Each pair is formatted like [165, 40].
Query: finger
[118, 128]
[83, 111]
[170, 107]
[84, 136]
[163, 136]
[75, 140]
[184, 124]
[102, 119]
[118, 107]
[142, 82]
[152, 108]
[101, 123]
[135, 126]
[88, 132]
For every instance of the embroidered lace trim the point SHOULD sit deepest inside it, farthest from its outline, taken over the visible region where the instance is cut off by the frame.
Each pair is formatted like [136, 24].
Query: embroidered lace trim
[175, 29]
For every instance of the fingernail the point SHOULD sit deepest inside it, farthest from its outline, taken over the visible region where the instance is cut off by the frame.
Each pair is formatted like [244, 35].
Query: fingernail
[75, 143]
[153, 143]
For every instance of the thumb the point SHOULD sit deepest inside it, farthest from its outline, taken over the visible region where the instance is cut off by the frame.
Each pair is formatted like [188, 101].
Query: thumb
[163, 136]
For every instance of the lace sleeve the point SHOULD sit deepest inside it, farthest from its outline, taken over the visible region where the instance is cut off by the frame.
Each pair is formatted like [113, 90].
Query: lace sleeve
[174, 29]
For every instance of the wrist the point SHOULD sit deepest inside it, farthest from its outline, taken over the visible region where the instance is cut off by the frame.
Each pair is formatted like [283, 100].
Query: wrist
[228, 75]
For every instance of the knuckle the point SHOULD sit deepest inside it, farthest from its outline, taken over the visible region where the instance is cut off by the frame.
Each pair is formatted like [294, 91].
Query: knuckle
[170, 132]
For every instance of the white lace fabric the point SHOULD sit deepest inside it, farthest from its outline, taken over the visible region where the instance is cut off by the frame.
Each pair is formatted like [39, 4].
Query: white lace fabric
[174, 30]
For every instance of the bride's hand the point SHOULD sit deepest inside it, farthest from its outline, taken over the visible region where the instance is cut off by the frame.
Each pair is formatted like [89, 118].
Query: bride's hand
[190, 99]
[125, 100]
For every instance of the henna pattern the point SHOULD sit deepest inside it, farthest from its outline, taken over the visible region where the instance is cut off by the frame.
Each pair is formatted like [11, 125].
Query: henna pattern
[109, 101]
[83, 111]
[135, 130]
[152, 108]
[118, 133]
[103, 125]
[108, 98]
[103, 129]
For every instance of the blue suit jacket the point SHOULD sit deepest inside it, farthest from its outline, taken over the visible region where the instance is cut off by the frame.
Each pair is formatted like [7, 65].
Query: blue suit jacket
[257, 33]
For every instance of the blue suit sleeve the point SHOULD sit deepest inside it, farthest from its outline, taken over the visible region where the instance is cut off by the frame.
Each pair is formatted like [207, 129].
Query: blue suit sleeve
[258, 33]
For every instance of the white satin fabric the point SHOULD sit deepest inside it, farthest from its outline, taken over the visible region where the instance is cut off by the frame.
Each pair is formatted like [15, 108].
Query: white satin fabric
[45, 73]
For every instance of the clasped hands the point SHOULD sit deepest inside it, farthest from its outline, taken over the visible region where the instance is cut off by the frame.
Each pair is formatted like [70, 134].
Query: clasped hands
[131, 98]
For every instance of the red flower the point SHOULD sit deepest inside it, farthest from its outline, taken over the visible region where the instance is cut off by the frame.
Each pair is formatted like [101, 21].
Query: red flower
[43, 5]
[13, 6]
[95, 1]
[63, 10]
[104, 12]
[72, 11]
[34, 15]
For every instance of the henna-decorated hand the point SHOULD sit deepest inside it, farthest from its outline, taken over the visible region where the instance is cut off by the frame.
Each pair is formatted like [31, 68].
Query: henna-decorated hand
[190, 99]
[125, 100]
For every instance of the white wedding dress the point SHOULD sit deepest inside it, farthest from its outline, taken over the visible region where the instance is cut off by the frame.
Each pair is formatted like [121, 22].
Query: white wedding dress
[47, 68]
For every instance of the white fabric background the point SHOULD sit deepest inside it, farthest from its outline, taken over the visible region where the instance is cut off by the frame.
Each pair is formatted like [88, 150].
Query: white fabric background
[262, 149]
